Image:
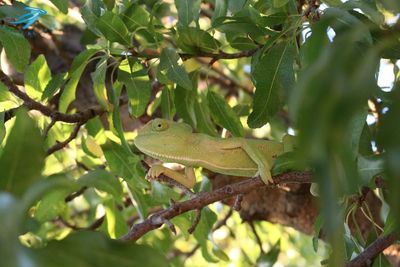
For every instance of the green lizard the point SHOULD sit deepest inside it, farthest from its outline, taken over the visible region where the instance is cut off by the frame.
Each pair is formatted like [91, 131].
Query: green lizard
[175, 142]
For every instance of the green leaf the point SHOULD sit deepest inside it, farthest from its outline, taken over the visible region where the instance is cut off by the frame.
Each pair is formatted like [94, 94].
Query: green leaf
[370, 166]
[114, 221]
[137, 85]
[203, 229]
[192, 40]
[2, 127]
[173, 69]
[91, 12]
[113, 28]
[188, 11]
[77, 67]
[17, 48]
[51, 206]
[122, 163]
[99, 82]
[136, 17]
[167, 104]
[36, 77]
[5, 95]
[223, 114]
[273, 72]
[102, 180]
[109, 4]
[279, 3]
[62, 5]
[184, 104]
[54, 84]
[357, 125]
[289, 161]
[161, 194]
[22, 159]
[221, 7]
[332, 2]
[270, 258]
[203, 117]
[88, 249]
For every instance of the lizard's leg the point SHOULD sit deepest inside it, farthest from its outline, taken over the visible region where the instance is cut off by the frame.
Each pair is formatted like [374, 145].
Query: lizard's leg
[264, 168]
[188, 179]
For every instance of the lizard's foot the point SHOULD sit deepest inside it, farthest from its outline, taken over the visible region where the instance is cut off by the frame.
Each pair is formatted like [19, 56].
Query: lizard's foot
[265, 175]
[154, 172]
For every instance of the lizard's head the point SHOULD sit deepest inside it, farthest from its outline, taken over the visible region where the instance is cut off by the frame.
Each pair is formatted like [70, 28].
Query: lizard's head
[159, 136]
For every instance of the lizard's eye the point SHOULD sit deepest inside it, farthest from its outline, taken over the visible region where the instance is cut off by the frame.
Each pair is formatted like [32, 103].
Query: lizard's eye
[159, 125]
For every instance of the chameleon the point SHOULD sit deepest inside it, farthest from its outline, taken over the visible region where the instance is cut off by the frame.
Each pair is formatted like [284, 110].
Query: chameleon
[175, 142]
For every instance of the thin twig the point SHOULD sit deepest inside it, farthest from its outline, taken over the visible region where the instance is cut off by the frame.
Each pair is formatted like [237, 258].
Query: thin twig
[195, 221]
[373, 250]
[258, 239]
[76, 194]
[93, 226]
[63, 144]
[79, 117]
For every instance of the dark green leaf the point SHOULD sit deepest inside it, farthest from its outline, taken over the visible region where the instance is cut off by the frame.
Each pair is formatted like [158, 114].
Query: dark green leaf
[203, 229]
[2, 127]
[221, 7]
[192, 40]
[184, 104]
[188, 11]
[17, 48]
[77, 67]
[223, 114]
[136, 17]
[22, 159]
[36, 77]
[272, 74]
[62, 5]
[88, 249]
[171, 67]
[167, 104]
[113, 28]
[289, 161]
[203, 117]
[91, 12]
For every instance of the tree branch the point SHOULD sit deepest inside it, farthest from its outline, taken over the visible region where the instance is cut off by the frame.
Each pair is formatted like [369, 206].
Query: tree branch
[79, 117]
[365, 258]
[205, 198]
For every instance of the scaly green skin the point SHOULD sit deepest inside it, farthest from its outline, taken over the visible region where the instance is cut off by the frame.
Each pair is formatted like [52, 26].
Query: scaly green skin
[171, 141]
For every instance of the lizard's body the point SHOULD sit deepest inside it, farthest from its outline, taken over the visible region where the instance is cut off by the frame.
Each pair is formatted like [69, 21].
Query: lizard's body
[174, 142]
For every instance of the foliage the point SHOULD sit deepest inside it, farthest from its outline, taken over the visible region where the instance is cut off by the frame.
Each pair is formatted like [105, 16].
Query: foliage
[252, 67]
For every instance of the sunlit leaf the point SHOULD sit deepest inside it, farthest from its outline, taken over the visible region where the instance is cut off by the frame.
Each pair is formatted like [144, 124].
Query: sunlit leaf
[36, 77]
[22, 159]
[17, 48]
[137, 85]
